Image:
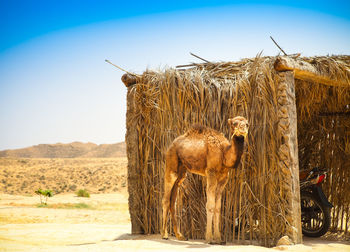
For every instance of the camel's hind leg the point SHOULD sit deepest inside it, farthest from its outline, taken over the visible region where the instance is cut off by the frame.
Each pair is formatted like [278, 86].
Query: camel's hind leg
[181, 177]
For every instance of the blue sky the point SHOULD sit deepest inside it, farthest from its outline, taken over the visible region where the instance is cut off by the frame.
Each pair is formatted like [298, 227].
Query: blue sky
[56, 87]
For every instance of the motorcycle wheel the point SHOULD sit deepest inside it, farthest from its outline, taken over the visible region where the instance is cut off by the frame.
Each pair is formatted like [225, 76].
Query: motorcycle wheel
[315, 217]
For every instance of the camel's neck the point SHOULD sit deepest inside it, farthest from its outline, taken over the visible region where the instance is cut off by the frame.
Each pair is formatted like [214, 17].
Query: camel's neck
[233, 153]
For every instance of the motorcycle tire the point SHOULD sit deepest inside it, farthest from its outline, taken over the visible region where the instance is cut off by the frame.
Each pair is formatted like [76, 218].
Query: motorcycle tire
[310, 207]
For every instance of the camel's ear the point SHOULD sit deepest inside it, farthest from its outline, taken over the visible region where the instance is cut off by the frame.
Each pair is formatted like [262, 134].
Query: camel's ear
[230, 122]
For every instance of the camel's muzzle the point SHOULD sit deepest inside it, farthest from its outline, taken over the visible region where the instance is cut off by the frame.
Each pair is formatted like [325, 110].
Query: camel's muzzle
[240, 132]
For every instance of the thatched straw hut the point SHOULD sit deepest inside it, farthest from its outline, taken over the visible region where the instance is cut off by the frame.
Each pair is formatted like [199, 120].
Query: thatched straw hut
[299, 115]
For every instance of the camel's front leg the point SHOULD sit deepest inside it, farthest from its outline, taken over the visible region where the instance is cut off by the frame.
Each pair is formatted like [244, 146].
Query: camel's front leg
[217, 212]
[210, 207]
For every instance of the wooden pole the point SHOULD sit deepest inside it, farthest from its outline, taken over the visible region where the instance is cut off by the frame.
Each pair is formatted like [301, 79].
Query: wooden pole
[278, 46]
[129, 79]
[288, 152]
[305, 71]
[207, 61]
[131, 139]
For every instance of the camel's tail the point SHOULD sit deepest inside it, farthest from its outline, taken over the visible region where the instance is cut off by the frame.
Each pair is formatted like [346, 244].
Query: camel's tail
[171, 159]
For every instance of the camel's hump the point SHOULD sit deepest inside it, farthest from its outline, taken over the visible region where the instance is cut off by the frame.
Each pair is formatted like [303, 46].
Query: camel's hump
[198, 130]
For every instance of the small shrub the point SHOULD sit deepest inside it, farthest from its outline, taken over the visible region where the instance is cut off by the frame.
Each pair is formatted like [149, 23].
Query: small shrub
[81, 205]
[83, 193]
[72, 188]
[44, 194]
[23, 161]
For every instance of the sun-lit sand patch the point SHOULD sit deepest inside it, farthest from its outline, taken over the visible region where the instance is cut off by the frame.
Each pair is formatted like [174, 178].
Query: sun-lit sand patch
[103, 226]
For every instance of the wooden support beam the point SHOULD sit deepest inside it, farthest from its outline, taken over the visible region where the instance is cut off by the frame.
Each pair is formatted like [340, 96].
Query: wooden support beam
[132, 139]
[288, 152]
[305, 71]
[129, 79]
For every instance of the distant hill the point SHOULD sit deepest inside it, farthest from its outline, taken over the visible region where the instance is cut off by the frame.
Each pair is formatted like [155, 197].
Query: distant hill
[71, 150]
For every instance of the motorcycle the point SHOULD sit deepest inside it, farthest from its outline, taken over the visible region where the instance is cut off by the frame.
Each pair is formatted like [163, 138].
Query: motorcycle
[315, 207]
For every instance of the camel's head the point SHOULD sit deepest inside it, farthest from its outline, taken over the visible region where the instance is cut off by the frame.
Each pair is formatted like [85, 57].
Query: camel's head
[238, 126]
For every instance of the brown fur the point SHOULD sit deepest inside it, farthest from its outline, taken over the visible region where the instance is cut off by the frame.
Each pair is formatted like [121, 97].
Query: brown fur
[206, 152]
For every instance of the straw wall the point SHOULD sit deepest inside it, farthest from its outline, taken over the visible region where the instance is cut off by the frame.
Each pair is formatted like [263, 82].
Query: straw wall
[255, 202]
[324, 142]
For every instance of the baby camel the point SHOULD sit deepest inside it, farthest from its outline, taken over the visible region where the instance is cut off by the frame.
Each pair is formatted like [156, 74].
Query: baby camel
[206, 152]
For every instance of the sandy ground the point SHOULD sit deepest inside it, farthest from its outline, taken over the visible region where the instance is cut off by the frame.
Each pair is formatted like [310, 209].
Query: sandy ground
[103, 226]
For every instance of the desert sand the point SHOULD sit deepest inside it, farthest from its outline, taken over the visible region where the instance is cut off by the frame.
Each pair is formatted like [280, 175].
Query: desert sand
[98, 223]
[103, 224]
[23, 176]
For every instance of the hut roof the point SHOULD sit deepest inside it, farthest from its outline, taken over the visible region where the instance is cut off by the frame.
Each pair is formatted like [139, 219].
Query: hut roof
[328, 70]
[317, 78]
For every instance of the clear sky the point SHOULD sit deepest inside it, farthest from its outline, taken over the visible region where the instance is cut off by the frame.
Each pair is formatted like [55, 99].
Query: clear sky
[56, 87]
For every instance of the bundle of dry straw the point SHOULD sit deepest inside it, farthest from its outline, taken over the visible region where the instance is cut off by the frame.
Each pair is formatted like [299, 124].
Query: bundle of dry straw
[163, 105]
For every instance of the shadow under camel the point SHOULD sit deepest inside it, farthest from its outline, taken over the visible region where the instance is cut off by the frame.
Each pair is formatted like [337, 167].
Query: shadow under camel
[157, 238]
